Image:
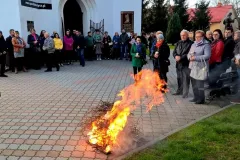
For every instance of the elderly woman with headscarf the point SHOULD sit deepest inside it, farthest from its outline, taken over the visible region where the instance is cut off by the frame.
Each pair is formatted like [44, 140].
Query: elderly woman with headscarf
[161, 53]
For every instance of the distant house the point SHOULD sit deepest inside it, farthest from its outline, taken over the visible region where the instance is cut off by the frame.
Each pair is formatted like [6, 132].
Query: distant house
[218, 14]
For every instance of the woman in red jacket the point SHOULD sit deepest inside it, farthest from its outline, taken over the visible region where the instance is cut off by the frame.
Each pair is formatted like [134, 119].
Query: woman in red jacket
[217, 48]
[216, 57]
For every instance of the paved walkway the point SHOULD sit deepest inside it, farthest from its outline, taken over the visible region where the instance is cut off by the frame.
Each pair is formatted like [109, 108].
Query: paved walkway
[40, 112]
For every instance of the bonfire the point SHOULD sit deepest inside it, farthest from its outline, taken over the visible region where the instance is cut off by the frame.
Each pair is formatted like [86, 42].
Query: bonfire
[148, 90]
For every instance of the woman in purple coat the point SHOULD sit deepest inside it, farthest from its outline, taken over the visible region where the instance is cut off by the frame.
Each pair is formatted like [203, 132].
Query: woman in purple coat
[68, 47]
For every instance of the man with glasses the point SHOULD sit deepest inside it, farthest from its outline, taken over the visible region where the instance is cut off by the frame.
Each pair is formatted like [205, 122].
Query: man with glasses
[183, 72]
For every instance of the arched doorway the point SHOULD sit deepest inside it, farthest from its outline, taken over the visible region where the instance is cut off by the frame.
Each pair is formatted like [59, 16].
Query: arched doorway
[73, 16]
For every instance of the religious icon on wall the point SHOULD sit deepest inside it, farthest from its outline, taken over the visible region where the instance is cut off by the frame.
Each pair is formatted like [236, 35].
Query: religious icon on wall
[30, 25]
[127, 21]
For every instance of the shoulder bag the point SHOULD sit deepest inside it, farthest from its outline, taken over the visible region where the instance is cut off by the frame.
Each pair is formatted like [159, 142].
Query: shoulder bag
[200, 73]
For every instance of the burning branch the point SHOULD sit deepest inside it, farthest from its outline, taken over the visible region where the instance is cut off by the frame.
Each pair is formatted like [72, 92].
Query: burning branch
[106, 129]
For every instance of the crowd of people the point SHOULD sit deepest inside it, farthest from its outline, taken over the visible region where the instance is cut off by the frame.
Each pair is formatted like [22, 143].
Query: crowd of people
[204, 59]
[51, 50]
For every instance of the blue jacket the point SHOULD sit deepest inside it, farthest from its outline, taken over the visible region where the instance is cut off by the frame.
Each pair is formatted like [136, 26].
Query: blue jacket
[31, 39]
[116, 39]
[152, 47]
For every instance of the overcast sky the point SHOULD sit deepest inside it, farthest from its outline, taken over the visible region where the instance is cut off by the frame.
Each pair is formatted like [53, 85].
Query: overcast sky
[191, 3]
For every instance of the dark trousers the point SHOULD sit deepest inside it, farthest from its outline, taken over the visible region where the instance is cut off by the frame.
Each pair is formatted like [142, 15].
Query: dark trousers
[3, 63]
[162, 75]
[89, 53]
[183, 79]
[80, 53]
[69, 56]
[10, 60]
[106, 51]
[136, 70]
[35, 58]
[123, 51]
[19, 62]
[59, 56]
[52, 60]
[198, 90]
[215, 70]
[116, 53]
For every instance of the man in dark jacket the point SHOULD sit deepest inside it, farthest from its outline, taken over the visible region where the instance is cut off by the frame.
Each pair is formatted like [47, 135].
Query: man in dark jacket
[228, 49]
[144, 39]
[33, 41]
[123, 42]
[236, 66]
[183, 72]
[3, 49]
[79, 45]
[10, 55]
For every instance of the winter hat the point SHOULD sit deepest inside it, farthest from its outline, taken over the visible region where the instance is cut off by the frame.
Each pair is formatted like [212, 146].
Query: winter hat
[160, 36]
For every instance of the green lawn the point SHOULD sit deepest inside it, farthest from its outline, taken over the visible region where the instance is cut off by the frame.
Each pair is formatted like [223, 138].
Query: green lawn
[215, 138]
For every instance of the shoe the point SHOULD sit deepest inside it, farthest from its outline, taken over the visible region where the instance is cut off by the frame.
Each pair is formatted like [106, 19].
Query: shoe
[185, 96]
[200, 102]
[48, 70]
[3, 75]
[193, 100]
[58, 68]
[177, 94]
[16, 71]
[100, 59]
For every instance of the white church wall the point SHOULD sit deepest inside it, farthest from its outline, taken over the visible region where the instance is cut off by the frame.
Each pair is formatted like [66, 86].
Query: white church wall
[105, 11]
[127, 5]
[112, 15]
[9, 16]
[43, 19]
[50, 20]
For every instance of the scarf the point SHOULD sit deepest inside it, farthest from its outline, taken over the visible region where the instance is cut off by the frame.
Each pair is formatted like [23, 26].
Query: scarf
[198, 43]
[139, 48]
[159, 43]
[34, 36]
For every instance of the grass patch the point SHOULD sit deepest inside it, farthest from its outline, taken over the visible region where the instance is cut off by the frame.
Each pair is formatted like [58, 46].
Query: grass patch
[215, 138]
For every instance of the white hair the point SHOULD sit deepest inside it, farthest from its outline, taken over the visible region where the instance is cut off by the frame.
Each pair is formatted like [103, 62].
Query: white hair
[159, 32]
[238, 33]
[185, 31]
[46, 33]
[209, 32]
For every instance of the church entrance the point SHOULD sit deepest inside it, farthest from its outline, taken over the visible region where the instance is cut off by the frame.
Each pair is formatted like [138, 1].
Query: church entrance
[73, 16]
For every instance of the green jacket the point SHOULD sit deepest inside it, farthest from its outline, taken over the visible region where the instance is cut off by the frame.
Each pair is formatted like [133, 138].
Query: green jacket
[89, 41]
[137, 62]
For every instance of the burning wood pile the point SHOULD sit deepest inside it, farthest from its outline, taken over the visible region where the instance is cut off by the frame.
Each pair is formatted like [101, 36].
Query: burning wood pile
[106, 129]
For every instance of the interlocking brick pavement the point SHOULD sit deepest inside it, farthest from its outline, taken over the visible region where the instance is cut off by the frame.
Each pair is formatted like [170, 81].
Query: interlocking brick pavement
[40, 112]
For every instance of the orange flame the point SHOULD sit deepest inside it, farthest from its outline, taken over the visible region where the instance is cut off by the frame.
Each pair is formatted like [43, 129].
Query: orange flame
[147, 90]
